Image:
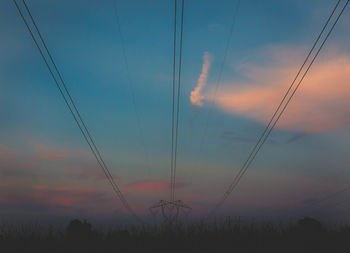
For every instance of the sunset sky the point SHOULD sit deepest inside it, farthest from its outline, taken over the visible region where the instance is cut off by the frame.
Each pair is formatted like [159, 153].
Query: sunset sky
[47, 169]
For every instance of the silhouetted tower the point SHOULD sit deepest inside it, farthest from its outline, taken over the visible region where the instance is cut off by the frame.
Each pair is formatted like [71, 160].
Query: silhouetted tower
[170, 210]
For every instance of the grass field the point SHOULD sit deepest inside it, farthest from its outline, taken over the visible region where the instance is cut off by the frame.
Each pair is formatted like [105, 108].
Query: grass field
[306, 235]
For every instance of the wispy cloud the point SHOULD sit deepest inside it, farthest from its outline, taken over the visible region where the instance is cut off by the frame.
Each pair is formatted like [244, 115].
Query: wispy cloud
[41, 199]
[45, 152]
[49, 153]
[233, 137]
[213, 27]
[6, 153]
[196, 97]
[321, 104]
[150, 186]
[11, 164]
[87, 171]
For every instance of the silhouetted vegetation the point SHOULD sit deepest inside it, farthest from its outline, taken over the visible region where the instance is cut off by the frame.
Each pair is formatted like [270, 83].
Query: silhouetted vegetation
[307, 235]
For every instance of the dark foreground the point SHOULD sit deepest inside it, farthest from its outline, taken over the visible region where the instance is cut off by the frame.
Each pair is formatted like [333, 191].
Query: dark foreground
[307, 235]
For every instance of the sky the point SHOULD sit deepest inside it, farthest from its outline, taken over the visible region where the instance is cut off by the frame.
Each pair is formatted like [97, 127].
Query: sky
[47, 169]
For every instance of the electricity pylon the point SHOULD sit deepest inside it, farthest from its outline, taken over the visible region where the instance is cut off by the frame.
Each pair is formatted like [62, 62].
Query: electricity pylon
[170, 210]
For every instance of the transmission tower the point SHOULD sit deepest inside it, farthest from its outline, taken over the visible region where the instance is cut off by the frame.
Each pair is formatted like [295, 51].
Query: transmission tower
[170, 210]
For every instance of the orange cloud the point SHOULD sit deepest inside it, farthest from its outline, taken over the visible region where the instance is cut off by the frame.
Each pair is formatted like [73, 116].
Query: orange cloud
[149, 186]
[3, 199]
[196, 97]
[6, 153]
[322, 102]
[87, 171]
[52, 157]
[45, 153]
[64, 201]
[40, 187]
[146, 186]
[63, 196]
[49, 154]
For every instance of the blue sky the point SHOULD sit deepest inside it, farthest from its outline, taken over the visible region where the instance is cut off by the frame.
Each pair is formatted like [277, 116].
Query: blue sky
[43, 154]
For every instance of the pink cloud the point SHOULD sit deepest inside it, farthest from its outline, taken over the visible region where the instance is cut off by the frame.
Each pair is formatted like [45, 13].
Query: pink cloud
[42, 194]
[321, 104]
[6, 152]
[149, 186]
[64, 201]
[45, 153]
[45, 200]
[64, 196]
[3, 199]
[52, 157]
[32, 159]
[87, 171]
[63, 190]
[48, 153]
[40, 187]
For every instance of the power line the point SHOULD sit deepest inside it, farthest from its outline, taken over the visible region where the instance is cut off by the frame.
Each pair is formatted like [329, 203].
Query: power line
[63, 83]
[268, 129]
[173, 104]
[292, 84]
[73, 110]
[253, 155]
[178, 102]
[171, 210]
[131, 86]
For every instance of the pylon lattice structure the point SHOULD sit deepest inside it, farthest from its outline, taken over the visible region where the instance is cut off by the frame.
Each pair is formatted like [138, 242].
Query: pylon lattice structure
[170, 210]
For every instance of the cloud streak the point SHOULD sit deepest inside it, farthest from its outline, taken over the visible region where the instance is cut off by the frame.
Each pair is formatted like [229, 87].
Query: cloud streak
[196, 97]
[6, 152]
[150, 186]
[321, 104]
[42, 199]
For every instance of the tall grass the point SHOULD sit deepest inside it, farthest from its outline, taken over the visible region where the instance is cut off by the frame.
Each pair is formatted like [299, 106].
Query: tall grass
[228, 236]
